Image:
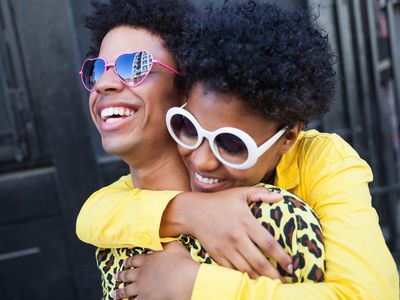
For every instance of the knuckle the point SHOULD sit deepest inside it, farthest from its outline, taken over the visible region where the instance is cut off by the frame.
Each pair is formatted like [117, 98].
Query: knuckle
[234, 237]
[285, 260]
[247, 220]
[216, 251]
[128, 262]
[121, 276]
[261, 264]
[269, 244]
[218, 246]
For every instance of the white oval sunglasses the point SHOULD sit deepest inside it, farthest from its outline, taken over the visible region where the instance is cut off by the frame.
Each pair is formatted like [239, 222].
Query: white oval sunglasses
[232, 147]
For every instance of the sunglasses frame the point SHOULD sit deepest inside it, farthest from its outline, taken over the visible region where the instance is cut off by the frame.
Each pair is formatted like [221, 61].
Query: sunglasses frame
[254, 152]
[115, 67]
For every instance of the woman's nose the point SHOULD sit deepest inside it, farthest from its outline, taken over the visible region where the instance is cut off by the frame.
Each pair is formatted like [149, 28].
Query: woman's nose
[203, 159]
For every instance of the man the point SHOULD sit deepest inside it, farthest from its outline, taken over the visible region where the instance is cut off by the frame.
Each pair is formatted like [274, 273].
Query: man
[129, 110]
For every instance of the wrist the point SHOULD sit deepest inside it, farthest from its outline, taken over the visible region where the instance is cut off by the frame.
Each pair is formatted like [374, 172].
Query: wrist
[190, 268]
[176, 216]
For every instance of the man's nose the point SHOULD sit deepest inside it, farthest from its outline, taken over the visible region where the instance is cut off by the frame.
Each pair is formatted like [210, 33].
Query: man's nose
[108, 81]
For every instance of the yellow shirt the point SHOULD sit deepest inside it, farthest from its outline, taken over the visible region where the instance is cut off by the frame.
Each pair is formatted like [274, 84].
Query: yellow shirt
[121, 216]
[290, 221]
[329, 175]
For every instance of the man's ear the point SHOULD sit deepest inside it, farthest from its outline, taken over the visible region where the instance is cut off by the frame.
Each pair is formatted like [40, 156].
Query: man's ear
[290, 137]
[182, 97]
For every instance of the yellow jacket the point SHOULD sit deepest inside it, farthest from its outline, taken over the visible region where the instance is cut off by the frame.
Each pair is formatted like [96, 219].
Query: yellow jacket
[320, 168]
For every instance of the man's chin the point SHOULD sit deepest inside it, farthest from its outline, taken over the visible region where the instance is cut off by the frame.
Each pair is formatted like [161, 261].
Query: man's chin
[115, 151]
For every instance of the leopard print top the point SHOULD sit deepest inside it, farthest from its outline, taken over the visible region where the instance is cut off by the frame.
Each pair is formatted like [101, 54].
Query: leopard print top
[291, 221]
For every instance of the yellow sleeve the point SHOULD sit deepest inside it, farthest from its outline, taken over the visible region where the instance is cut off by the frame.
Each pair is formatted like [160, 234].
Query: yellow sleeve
[215, 282]
[358, 263]
[121, 216]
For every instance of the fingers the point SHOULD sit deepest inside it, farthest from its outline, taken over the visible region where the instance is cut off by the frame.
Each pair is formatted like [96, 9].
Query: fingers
[256, 194]
[241, 263]
[257, 262]
[243, 266]
[249, 259]
[130, 275]
[222, 261]
[267, 244]
[238, 262]
[128, 291]
[262, 267]
[244, 255]
[135, 261]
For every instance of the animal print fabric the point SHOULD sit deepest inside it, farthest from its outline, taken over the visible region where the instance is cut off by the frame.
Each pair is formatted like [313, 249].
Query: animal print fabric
[291, 222]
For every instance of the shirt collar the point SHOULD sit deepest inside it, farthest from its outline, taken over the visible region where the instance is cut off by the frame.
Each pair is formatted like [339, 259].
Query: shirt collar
[287, 171]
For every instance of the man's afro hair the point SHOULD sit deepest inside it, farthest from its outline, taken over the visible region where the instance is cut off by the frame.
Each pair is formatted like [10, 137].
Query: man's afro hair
[166, 18]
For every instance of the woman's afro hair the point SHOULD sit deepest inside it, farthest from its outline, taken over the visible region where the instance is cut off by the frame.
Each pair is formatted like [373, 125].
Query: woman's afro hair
[278, 62]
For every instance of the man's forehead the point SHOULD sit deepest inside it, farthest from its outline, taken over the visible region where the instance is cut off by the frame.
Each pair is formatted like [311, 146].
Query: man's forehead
[125, 39]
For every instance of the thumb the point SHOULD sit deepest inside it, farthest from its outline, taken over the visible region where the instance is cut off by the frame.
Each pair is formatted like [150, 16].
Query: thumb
[262, 194]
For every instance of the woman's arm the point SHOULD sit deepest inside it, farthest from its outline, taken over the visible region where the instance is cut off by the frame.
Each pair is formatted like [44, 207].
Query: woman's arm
[359, 265]
[121, 216]
[334, 182]
[358, 262]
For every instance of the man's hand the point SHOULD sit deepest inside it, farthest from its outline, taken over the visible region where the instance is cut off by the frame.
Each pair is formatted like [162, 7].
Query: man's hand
[169, 274]
[225, 226]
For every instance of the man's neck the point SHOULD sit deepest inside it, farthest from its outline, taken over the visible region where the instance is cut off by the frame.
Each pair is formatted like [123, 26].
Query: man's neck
[164, 172]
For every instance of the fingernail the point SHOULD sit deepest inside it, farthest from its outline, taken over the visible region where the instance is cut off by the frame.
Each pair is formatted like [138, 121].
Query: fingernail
[114, 294]
[290, 269]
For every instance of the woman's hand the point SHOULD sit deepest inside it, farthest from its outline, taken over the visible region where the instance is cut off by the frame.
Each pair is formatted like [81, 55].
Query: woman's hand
[166, 275]
[226, 228]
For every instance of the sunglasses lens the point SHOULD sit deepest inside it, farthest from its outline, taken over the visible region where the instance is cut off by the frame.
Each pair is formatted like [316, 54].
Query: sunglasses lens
[184, 130]
[231, 148]
[133, 68]
[91, 71]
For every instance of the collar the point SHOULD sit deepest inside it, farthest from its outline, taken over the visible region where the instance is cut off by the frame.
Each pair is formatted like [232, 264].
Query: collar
[287, 171]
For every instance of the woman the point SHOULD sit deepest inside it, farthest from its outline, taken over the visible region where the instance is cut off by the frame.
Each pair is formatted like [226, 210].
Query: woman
[258, 53]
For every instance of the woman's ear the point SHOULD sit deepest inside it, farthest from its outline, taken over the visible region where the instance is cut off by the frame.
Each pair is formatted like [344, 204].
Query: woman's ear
[290, 137]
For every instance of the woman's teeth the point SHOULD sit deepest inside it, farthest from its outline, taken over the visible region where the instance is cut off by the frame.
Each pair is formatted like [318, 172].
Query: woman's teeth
[206, 180]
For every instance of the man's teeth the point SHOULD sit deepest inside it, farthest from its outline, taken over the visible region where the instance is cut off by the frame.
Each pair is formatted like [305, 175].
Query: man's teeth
[113, 120]
[206, 180]
[114, 114]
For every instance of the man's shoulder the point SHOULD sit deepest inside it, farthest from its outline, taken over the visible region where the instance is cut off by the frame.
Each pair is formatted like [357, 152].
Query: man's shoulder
[122, 185]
